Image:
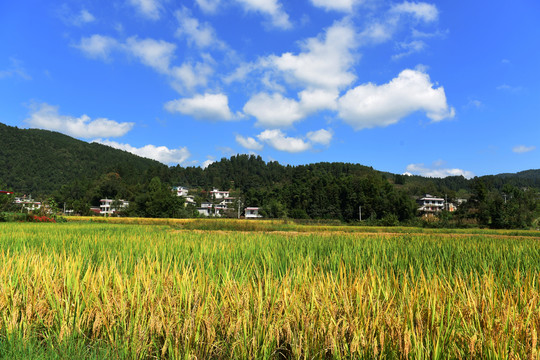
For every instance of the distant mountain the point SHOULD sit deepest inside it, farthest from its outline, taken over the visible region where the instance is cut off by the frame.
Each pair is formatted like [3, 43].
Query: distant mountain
[527, 174]
[40, 161]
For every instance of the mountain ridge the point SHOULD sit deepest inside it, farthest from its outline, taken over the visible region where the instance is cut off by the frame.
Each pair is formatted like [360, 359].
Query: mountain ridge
[41, 161]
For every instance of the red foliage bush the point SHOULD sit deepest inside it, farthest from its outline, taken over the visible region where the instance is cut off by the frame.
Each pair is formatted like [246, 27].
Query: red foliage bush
[43, 218]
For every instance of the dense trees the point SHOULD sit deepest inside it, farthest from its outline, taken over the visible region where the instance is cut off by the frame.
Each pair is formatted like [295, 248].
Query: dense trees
[79, 174]
[39, 162]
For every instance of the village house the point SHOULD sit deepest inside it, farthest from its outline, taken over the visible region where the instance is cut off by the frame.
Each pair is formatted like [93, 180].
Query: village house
[252, 213]
[430, 204]
[27, 203]
[181, 191]
[109, 207]
[218, 194]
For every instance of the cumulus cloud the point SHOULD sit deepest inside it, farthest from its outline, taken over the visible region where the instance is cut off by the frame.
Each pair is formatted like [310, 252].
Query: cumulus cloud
[159, 153]
[419, 10]
[45, 116]
[248, 143]
[370, 105]
[156, 54]
[273, 111]
[322, 137]
[322, 68]
[208, 6]
[207, 106]
[200, 34]
[97, 46]
[324, 63]
[420, 169]
[377, 32]
[337, 5]
[279, 141]
[207, 163]
[270, 8]
[318, 99]
[80, 18]
[148, 8]
[520, 149]
[189, 76]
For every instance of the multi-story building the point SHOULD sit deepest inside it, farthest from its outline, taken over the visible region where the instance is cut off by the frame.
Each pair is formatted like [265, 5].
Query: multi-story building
[27, 203]
[109, 207]
[181, 191]
[218, 194]
[430, 204]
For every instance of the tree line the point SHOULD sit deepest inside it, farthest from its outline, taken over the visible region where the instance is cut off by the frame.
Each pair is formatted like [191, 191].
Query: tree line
[329, 191]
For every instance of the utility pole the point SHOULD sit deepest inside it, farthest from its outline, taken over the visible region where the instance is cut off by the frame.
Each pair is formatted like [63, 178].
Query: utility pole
[360, 212]
[239, 205]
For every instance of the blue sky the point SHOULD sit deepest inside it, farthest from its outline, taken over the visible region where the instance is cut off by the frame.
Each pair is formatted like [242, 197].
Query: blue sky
[429, 88]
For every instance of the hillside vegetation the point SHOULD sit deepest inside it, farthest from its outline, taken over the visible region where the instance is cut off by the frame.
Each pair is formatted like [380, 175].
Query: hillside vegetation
[79, 174]
[39, 162]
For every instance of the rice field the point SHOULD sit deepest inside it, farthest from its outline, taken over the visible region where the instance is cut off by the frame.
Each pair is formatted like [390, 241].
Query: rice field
[188, 290]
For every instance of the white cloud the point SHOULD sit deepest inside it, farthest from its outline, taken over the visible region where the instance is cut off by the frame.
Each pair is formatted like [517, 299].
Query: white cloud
[319, 99]
[278, 140]
[85, 17]
[208, 106]
[409, 48]
[46, 116]
[377, 32]
[337, 5]
[420, 169]
[271, 8]
[383, 29]
[248, 143]
[520, 149]
[273, 111]
[208, 6]
[69, 17]
[370, 105]
[159, 153]
[325, 63]
[207, 163]
[506, 87]
[200, 34]
[16, 69]
[419, 10]
[154, 53]
[322, 137]
[474, 103]
[322, 68]
[97, 46]
[189, 76]
[148, 8]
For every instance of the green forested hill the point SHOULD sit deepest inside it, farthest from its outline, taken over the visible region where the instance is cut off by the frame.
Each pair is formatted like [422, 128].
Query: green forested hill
[78, 174]
[40, 161]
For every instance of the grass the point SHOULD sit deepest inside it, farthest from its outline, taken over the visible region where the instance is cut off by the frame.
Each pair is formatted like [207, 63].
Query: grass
[101, 290]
